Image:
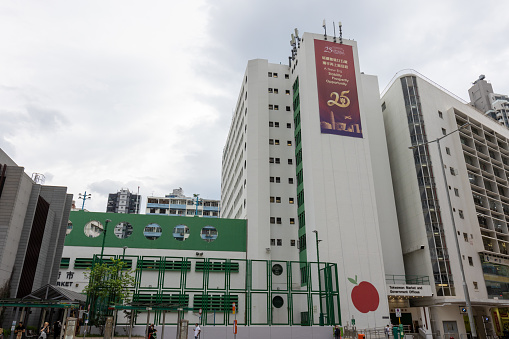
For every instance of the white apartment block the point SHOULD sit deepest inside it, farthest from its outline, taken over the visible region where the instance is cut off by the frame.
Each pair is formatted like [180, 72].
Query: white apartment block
[177, 204]
[476, 163]
[302, 178]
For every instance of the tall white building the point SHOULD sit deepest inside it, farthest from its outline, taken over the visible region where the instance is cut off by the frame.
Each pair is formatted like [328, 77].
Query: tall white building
[306, 163]
[476, 164]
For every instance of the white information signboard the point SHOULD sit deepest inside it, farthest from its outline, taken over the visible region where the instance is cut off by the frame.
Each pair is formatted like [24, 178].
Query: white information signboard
[409, 290]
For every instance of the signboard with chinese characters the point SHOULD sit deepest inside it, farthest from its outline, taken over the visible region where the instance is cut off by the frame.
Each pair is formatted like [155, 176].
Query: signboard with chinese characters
[338, 101]
[409, 290]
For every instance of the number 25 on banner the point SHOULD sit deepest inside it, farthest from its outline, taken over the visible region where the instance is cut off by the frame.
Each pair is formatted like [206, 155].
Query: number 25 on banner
[343, 99]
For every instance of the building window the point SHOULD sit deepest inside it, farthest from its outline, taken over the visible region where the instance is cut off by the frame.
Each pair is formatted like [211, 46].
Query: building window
[288, 109]
[278, 180]
[276, 142]
[290, 200]
[292, 242]
[287, 76]
[292, 221]
[271, 106]
[288, 125]
[289, 142]
[453, 171]
[290, 180]
[383, 106]
[272, 242]
[272, 220]
[280, 242]
[448, 150]
[440, 115]
[290, 161]
[444, 132]
[271, 124]
[274, 75]
[270, 74]
[276, 91]
[276, 124]
[270, 90]
[278, 221]
[456, 192]
[271, 141]
[287, 92]
[278, 200]
[461, 214]
[277, 160]
[470, 261]
[276, 107]
[271, 160]
[271, 199]
[271, 179]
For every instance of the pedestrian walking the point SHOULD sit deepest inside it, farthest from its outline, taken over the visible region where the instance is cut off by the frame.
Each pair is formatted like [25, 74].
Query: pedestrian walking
[19, 331]
[387, 331]
[57, 327]
[44, 331]
[197, 331]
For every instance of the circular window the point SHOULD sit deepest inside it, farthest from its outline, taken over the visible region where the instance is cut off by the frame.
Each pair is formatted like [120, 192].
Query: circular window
[277, 301]
[93, 229]
[69, 227]
[181, 232]
[152, 231]
[123, 230]
[277, 269]
[209, 233]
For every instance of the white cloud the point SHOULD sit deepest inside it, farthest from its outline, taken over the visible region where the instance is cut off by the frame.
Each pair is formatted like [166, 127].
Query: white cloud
[105, 95]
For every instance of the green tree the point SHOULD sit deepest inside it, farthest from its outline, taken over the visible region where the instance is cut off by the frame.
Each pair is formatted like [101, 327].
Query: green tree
[109, 283]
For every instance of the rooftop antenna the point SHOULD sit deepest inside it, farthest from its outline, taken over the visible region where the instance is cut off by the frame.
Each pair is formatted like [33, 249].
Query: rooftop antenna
[334, 26]
[325, 28]
[340, 33]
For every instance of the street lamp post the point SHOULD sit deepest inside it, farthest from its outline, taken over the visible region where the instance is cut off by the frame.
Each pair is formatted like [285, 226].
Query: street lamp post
[465, 287]
[123, 252]
[104, 239]
[319, 277]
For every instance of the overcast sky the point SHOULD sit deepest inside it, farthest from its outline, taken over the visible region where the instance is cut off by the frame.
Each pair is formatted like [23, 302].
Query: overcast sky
[100, 95]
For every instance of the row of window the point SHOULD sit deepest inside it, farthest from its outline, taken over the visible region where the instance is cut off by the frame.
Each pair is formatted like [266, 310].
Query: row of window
[276, 107]
[276, 91]
[278, 200]
[278, 161]
[276, 124]
[276, 142]
[277, 180]
[279, 242]
[275, 75]
[278, 220]
[152, 231]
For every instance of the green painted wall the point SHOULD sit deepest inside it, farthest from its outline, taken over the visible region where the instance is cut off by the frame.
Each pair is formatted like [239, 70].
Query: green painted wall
[232, 233]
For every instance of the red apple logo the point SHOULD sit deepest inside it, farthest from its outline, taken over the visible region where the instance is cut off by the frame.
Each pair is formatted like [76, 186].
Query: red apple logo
[365, 297]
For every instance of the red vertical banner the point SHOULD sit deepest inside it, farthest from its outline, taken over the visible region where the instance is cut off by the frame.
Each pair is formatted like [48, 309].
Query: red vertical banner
[338, 100]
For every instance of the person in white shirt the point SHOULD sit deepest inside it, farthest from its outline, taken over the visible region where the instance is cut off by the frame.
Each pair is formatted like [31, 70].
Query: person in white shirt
[197, 331]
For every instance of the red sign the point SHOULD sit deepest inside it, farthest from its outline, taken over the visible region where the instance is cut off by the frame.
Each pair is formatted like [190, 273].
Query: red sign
[338, 101]
[235, 326]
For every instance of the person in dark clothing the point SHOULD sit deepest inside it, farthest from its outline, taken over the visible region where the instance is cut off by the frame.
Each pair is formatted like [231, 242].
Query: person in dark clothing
[19, 331]
[151, 329]
[57, 327]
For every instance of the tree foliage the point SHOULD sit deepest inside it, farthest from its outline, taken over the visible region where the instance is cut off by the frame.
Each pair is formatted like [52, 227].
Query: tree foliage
[109, 283]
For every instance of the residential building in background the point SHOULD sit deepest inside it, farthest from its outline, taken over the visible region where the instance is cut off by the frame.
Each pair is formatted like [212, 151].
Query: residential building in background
[476, 165]
[484, 99]
[124, 202]
[306, 163]
[178, 204]
[33, 223]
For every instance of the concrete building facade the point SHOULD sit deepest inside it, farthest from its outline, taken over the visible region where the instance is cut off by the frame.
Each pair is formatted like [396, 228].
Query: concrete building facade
[177, 204]
[33, 222]
[475, 160]
[306, 179]
[123, 202]
[484, 99]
